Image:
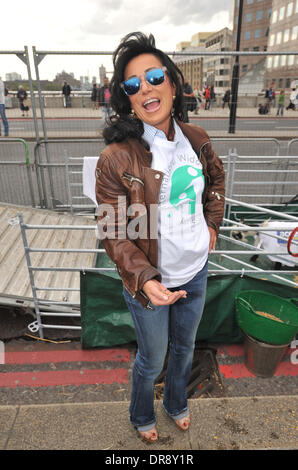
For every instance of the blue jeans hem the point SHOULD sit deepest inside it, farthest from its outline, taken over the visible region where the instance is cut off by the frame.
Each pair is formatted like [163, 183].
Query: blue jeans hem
[179, 415]
[144, 427]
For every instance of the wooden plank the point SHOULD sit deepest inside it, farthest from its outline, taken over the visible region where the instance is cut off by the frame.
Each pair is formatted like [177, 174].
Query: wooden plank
[14, 276]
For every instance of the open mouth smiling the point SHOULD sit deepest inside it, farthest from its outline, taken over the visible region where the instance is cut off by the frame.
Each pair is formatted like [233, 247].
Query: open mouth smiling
[151, 105]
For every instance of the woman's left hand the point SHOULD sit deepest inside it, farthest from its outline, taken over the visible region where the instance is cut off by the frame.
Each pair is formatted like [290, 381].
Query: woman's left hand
[213, 238]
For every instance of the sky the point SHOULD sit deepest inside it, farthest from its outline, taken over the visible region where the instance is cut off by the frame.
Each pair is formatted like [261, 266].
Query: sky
[99, 25]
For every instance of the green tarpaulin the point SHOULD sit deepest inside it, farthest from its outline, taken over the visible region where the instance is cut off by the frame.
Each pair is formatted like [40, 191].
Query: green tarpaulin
[106, 321]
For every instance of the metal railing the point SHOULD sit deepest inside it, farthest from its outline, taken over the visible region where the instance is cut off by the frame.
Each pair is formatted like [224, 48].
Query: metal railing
[70, 310]
[40, 118]
[79, 203]
[16, 176]
[263, 179]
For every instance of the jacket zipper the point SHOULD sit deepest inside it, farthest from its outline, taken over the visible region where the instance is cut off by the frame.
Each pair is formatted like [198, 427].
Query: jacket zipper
[132, 178]
[201, 148]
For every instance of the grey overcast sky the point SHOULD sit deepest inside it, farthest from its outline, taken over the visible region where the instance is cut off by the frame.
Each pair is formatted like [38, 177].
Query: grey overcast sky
[98, 25]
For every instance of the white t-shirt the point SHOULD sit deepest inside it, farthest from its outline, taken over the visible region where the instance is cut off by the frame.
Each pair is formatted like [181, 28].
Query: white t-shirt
[183, 235]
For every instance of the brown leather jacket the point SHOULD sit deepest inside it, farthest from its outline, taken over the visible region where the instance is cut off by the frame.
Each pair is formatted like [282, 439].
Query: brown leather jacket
[124, 170]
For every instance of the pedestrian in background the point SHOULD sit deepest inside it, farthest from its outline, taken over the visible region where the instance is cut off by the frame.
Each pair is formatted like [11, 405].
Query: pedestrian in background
[2, 109]
[212, 97]
[66, 91]
[163, 267]
[281, 103]
[188, 99]
[94, 96]
[207, 97]
[104, 99]
[226, 99]
[269, 98]
[23, 100]
[293, 99]
[198, 97]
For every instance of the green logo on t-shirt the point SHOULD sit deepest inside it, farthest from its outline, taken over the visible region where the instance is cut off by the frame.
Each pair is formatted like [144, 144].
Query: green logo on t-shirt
[182, 187]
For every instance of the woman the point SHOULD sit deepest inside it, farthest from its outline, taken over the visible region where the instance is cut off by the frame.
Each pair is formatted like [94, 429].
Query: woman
[159, 187]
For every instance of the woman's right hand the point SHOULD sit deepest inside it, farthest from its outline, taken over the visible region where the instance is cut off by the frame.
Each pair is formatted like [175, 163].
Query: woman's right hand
[158, 294]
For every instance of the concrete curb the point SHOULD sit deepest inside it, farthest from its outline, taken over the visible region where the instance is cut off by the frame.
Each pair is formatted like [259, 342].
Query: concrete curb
[244, 423]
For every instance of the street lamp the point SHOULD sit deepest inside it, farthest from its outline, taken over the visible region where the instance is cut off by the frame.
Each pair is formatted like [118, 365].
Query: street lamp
[235, 76]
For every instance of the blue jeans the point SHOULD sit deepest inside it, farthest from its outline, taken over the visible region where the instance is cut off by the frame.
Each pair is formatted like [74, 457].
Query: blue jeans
[175, 325]
[4, 119]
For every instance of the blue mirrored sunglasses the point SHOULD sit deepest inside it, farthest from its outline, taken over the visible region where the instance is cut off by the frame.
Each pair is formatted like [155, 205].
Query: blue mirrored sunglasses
[153, 77]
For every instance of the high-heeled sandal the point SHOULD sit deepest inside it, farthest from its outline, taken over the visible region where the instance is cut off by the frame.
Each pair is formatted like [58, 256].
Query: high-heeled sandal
[183, 423]
[149, 436]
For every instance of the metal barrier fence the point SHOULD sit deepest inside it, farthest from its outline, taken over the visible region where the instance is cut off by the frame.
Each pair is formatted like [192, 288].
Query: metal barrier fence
[53, 168]
[17, 181]
[50, 119]
[54, 175]
[237, 257]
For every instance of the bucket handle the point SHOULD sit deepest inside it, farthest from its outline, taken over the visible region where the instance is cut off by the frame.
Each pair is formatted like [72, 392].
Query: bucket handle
[246, 304]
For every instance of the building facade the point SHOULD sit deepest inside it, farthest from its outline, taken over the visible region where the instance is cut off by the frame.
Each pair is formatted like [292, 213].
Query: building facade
[217, 69]
[282, 70]
[192, 66]
[256, 16]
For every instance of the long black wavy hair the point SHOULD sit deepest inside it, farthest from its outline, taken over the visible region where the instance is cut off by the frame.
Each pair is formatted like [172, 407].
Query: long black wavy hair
[122, 125]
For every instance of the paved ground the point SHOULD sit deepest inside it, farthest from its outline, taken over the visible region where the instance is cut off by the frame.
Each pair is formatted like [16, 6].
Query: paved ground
[54, 395]
[24, 127]
[217, 424]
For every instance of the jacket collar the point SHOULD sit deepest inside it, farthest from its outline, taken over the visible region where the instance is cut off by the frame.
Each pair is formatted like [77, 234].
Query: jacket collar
[195, 134]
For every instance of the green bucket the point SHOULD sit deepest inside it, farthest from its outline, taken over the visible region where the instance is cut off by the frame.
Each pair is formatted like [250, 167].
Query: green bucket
[261, 327]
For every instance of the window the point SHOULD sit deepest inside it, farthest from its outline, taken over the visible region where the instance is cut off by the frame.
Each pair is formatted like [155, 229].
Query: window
[256, 48]
[274, 16]
[271, 41]
[290, 9]
[291, 59]
[286, 35]
[246, 35]
[248, 17]
[275, 61]
[244, 68]
[288, 83]
[294, 32]
[282, 13]
[258, 33]
[249, 2]
[268, 13]
[269, 62]
[278, 37]
[296, 10]
[283, 60]
[280, 83]
[259, 15]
